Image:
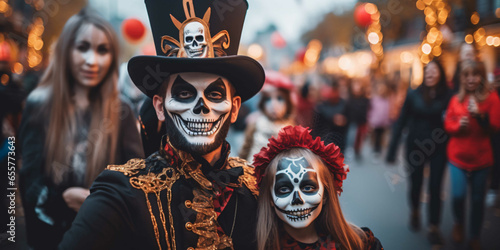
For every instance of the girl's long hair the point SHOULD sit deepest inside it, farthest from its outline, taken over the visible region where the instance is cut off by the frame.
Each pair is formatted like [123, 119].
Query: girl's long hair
[330, 221]
[59, 103]
[477, 67]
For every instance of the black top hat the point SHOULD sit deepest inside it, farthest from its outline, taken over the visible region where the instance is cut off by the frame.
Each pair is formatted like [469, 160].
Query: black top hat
[197, 36]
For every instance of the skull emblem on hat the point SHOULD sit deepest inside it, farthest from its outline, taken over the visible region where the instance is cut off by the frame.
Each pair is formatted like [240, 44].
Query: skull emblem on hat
[195, 43]
[194, 36]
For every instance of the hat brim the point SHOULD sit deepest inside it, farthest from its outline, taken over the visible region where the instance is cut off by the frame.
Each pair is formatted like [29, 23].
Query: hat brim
[149, 72]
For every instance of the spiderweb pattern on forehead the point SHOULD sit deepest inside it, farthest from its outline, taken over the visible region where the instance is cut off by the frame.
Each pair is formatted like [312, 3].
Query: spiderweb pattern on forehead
[300, 137]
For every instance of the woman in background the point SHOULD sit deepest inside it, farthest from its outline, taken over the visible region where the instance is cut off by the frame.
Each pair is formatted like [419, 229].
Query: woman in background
[467, 52]
[471, 118]
[73, 126]
[422, 113]
[275, 111]
[356, 110]
[378, 115]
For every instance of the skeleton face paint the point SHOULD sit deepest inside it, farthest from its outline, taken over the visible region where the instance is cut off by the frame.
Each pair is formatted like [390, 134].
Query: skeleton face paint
[275, 105]
[195, 43]
[297, 192]
[198, 105]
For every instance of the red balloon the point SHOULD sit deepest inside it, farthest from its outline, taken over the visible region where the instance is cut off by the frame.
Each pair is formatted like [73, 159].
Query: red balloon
[133, 29]
[361, 17]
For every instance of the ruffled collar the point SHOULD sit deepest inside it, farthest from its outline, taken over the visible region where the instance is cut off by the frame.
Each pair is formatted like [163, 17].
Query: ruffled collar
[196, 167]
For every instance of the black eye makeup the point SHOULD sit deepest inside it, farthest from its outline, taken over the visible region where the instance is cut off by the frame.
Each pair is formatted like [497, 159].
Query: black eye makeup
[309, 184]
[102, 49]
[183, 91]
[82, 46]
[216, 91]
[283, 186]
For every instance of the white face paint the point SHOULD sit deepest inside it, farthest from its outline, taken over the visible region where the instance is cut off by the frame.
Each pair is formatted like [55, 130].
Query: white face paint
[195, 42]
[198, 104]
[274, 103]
[297, 192]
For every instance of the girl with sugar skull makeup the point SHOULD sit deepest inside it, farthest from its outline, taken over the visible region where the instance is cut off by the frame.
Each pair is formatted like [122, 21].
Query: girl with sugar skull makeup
[300, 180]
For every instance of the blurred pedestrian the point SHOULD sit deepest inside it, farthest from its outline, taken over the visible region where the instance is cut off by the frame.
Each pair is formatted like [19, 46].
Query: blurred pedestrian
[378, 115]
[466, 52]
[300, 180]
[472, 115]
[305, 106]
[275, 111]
[422, 114]
[330, 122]
[356, 111]
[398, 90]
[74, 124]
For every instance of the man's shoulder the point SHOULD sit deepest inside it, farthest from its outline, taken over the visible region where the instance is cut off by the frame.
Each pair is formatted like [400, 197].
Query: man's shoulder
[152, 174]
[117, 177]
[131, 168]
[248, 178]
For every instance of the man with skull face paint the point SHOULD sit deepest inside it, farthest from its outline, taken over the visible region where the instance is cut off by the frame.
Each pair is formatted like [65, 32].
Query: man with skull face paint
[299, 180]
[189, 194]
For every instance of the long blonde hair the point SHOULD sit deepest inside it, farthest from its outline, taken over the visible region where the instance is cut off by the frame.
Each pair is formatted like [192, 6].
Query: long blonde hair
[104, 105]
[330, 221]
[477, 67]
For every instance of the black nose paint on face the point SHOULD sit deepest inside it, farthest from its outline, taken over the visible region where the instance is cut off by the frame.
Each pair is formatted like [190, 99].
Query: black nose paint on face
[296, 199]
[201, 106]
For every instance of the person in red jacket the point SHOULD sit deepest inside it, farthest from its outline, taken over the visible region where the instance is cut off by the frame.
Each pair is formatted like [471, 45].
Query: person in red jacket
[472, 115]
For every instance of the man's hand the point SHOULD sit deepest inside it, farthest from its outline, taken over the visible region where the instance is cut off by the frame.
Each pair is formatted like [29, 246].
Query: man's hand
[75, 196]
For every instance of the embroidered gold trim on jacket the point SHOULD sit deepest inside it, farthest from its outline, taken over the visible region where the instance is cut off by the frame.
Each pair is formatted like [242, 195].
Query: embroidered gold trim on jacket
[152, 183]
[205, 225]
[130, 168]
[248, 178]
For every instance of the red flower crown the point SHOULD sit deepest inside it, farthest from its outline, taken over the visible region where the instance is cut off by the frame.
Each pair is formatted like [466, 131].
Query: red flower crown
[300, 137]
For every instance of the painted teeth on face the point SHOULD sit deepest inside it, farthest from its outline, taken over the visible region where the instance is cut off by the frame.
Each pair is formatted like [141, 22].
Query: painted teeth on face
[200, 127]
[298, 214]
[298, 218]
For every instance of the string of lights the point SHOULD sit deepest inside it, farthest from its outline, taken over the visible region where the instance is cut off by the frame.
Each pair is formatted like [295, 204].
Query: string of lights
[373, 32]
[436, 13]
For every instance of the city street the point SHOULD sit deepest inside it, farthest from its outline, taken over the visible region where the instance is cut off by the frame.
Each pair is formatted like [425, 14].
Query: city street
[91, 84]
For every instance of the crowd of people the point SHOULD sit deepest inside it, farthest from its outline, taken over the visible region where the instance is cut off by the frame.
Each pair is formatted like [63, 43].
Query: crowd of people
[98, 174]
